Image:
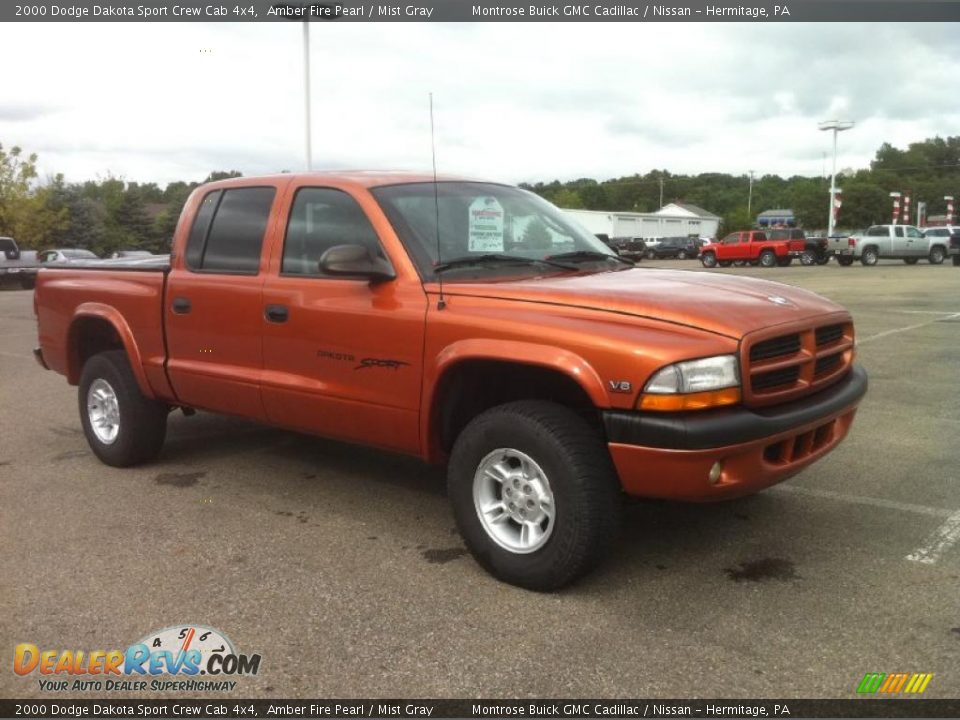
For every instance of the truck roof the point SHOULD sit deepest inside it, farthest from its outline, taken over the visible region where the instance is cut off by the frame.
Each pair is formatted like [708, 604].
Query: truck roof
[360, 178]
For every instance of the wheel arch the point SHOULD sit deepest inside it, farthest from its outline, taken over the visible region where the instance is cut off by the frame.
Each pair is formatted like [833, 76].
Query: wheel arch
[94, 328]
[471, 376]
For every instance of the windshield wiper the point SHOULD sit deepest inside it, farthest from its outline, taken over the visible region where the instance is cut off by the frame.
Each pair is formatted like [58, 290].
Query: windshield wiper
[494, 258]
[587, 255]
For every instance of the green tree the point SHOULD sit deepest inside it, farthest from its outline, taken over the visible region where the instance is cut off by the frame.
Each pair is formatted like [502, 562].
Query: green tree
[567, 198]
[536, 236]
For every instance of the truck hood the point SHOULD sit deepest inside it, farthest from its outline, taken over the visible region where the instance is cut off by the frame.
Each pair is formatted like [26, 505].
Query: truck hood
[728, 305]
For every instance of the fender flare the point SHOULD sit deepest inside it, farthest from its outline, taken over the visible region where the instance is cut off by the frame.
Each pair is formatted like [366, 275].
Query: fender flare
[517, 352]
[118, 322]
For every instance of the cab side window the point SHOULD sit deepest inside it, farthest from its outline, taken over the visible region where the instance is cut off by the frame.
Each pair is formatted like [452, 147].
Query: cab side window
[227, 233]
[320, 219]
[878, 231]
[731, 239]
[914, 233]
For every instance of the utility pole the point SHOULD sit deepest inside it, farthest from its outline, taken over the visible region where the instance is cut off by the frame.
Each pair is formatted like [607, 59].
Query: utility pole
[306, 91]
[750, 198]
[661, 191]
[837, 126]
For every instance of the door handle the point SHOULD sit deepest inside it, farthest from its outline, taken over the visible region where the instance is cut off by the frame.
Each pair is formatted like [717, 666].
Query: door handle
[276, 313]
[180, 305]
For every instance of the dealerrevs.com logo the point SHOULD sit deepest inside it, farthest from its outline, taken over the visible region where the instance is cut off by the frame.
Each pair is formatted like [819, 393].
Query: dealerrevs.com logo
[180, 658]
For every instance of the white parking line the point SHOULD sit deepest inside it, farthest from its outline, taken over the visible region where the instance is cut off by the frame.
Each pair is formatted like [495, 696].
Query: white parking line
[871, 501]
[940, 540]
[894, 331]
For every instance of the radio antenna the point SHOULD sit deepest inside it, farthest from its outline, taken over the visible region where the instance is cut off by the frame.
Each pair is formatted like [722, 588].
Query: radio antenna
[441, 302]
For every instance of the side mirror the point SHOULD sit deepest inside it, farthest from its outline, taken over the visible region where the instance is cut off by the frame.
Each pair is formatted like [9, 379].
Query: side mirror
[355, 261]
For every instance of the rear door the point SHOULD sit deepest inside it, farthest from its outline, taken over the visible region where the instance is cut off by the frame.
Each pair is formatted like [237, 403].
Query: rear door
[916, 243]
[213, 308]
[343, 356]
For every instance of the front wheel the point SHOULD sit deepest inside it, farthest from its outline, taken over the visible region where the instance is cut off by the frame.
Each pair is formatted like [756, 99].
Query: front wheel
[123, 427]
[708, 260]
[807, 258]
[937, 256]
[534, 494]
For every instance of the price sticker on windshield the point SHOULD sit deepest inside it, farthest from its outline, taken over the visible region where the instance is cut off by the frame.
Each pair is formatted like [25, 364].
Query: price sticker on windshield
[486, 225]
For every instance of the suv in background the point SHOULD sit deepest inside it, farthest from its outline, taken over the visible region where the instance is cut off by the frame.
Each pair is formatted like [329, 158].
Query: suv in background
[815, 250]
[950, 235]
[898, 242]
[680, 248]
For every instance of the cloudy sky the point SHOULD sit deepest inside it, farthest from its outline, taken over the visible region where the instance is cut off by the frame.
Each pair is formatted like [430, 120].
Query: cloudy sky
[514, 102]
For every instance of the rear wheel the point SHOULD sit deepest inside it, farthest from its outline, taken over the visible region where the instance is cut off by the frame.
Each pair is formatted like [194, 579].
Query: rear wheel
[911, 261]
[845, 260]
[869, 256]
[807, 257]
[709, 260]
[534, 494]
[768, 259]
[937, 255]
[123, 427]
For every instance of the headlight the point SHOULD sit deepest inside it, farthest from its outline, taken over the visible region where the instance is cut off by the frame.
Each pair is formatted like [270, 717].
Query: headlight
[694, 385]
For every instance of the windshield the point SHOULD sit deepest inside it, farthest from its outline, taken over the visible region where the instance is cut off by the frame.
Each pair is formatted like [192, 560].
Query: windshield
[481, 220]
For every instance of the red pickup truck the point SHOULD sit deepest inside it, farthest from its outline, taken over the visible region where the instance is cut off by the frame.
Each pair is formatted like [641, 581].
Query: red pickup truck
[466, 323]
[754, 247]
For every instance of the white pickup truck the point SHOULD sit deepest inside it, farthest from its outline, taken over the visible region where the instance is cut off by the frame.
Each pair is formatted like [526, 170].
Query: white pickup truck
[899, 242]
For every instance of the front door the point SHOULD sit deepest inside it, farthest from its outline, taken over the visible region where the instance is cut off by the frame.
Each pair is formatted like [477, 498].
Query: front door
[916, 245]
[342, 356]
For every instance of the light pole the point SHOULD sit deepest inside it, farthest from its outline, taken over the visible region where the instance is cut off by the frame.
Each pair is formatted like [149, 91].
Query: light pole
[837, 126]
[306, 90]
[750, 198]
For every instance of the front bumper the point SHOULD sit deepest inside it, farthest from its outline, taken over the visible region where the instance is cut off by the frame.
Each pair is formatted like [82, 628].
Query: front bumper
[670, 455]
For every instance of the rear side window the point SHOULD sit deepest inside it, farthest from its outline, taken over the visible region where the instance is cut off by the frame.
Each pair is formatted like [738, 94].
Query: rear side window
[320, 219]
[234, 238]
[878, 231]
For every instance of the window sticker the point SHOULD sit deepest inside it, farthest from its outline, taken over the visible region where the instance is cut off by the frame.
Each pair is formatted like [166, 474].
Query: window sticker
[486, 225]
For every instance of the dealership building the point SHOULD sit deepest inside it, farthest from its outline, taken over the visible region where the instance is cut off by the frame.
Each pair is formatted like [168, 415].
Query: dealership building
[672, 220]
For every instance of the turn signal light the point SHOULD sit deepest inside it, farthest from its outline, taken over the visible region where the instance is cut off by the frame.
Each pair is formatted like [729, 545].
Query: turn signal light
[690, 401]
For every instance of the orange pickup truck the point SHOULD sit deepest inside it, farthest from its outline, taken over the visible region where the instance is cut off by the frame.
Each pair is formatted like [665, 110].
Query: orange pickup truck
[467, 323]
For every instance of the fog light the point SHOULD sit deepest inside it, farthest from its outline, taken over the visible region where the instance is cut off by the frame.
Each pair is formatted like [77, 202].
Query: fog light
[715, 472]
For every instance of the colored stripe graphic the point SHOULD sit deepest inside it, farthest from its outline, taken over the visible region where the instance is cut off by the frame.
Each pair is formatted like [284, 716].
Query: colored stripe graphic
[893, 683]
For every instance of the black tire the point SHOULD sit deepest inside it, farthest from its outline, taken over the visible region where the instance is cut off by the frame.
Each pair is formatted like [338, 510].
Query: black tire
[823, 260]
[651, 255]
[726, 263]
[869, 256]
[845, 260]
[142, 424]
[768, 258]
[937, 255]
[708, 260]
[582, 479]
[28, 283]
[682, 255]
[956, 260]
[808, 258]
[912, 261]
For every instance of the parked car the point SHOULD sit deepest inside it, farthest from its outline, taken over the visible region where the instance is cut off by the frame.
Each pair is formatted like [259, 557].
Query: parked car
[66, 255]
[680, 248]
[899, 242]
[16, 265]
[633, 248]
[816, 250]
[751, 246]
[950, 235]
[549, 383]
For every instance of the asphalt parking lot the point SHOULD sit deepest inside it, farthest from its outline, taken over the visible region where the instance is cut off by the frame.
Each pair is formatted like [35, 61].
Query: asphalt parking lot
[341, 566]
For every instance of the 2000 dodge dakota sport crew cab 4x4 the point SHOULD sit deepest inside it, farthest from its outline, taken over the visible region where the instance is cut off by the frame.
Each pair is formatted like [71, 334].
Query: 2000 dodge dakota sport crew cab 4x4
[467, 323]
